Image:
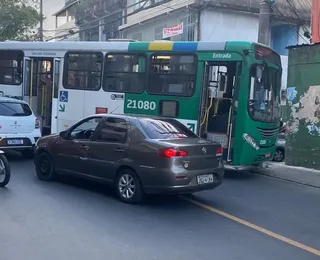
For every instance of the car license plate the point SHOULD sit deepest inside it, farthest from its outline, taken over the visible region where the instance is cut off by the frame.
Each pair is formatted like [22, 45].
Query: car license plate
[204, 179]
[15, 141]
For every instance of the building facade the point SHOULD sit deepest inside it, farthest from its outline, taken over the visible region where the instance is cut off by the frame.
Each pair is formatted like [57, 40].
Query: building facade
[65, 27]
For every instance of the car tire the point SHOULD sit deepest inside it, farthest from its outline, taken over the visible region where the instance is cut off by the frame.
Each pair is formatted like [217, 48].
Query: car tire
[44, 167]
[278, 155]
[5, 167]
[27, 153]
[128, 187]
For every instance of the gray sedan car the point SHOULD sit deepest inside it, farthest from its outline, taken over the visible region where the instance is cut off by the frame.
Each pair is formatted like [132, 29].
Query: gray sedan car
[137, 155]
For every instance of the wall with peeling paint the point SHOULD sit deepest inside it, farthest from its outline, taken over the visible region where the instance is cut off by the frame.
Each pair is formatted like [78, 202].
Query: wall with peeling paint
[303, 110]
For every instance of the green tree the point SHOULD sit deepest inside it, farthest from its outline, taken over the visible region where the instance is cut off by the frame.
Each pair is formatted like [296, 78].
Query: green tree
[17, 19]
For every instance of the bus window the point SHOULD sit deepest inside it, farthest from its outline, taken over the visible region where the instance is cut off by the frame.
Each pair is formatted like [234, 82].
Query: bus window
[172, 74]
[11, 67]
[124, 73]
[264, 101]
[83, 70]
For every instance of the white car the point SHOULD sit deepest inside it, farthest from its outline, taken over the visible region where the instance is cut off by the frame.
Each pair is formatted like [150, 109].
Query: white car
[19, 127]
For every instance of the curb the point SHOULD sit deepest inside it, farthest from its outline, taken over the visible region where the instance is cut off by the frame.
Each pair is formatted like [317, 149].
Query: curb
[300, 182]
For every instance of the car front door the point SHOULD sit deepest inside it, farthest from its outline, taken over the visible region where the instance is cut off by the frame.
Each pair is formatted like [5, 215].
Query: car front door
[71, 150]
[107, 147]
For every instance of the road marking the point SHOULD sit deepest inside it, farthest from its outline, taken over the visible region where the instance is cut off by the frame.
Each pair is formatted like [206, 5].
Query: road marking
[255, 227]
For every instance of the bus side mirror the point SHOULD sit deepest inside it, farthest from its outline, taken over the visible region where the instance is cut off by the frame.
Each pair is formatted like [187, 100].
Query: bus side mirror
[259, 72]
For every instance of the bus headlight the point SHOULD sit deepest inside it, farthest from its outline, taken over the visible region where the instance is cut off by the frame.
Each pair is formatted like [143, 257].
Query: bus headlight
[250, 140]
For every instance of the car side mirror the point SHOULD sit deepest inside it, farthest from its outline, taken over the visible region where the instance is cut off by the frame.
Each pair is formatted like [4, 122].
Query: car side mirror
[63, 134]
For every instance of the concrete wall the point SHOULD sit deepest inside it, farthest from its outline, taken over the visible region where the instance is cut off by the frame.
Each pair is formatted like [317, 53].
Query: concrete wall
[152, 30]
[217, 25]
[162, 8]
[303, 98]
[283, 35]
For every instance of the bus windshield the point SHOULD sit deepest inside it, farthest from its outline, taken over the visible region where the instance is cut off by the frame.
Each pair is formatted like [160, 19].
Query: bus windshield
[264, 101]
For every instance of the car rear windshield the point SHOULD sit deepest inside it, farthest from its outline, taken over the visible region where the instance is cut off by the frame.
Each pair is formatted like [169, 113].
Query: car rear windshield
[165, 129]
[14, 109]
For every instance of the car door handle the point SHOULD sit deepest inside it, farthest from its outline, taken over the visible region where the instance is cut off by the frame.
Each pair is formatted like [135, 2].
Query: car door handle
[118, 150]
[85, 147]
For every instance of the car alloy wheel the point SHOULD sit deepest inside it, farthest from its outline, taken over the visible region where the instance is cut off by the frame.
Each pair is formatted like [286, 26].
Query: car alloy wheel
[127, 186]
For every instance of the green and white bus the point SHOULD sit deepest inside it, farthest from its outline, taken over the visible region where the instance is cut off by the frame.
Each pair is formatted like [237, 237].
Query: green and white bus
[224, 91]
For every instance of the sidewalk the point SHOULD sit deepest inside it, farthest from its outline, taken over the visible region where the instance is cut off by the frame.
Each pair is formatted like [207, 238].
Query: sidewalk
[299, 175]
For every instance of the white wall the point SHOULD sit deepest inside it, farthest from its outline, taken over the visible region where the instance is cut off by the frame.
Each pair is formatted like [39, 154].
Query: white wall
[218, 25]
[284, 63]
[148, 29]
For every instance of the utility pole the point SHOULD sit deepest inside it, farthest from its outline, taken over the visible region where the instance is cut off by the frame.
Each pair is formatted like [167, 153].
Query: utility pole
[264, 21]
[315, 31]
[41, 21]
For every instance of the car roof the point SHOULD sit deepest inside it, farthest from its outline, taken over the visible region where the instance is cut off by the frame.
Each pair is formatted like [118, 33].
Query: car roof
[13, 100]
[127, 116]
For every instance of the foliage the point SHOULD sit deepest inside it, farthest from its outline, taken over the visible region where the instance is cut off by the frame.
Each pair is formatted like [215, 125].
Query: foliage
[17, 19]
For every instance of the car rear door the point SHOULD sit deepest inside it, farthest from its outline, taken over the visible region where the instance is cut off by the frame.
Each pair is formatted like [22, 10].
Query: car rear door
[108, 146]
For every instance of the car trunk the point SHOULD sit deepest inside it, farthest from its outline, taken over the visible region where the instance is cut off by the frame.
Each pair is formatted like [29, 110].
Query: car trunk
[16, 124]
[201, 154]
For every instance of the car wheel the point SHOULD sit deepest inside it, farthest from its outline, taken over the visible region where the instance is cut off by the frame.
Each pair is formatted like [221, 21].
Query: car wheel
[5, 172]
[129, 187]
[27, 153]
[278, 155]
[44, 167]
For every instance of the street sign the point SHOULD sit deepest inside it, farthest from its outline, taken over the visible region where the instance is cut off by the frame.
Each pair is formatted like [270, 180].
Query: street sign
[62, 108]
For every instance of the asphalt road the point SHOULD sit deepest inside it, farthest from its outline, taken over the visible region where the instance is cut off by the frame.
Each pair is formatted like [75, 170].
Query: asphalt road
[249, 217]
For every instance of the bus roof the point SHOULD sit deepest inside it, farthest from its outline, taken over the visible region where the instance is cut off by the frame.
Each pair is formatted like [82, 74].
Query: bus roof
[129, 46]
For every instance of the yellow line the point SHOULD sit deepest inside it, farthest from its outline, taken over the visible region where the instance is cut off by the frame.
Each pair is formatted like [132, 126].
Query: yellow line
[255, 227]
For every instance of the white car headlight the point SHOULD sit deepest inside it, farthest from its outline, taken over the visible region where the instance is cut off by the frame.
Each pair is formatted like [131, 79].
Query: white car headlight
[250, 140]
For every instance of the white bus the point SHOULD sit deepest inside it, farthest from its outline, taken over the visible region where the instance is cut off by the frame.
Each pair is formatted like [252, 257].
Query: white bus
[49, 75]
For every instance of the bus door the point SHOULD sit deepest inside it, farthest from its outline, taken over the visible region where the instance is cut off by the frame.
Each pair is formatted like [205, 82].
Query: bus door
[27, 80]
[30, 83]
[218, 104]
[55, 89]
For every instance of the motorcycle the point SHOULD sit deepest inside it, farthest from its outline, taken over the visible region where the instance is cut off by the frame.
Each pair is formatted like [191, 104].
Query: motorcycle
[5, 172]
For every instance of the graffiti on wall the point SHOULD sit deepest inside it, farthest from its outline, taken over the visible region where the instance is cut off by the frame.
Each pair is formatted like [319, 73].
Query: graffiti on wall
[306, 109]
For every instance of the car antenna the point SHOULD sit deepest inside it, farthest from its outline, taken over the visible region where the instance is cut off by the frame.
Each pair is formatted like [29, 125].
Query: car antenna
[114, 109]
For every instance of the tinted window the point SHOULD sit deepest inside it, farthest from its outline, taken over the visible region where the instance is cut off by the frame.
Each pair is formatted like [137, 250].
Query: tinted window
[14, 109]
[172, 75]
[112, 130]
[83, 70]
[124, 73]
[11, 67]
[165, 129]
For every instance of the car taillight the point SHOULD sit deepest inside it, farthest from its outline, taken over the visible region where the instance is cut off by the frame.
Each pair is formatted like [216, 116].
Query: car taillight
[219, 151]
[37, 124]
[169, 153]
